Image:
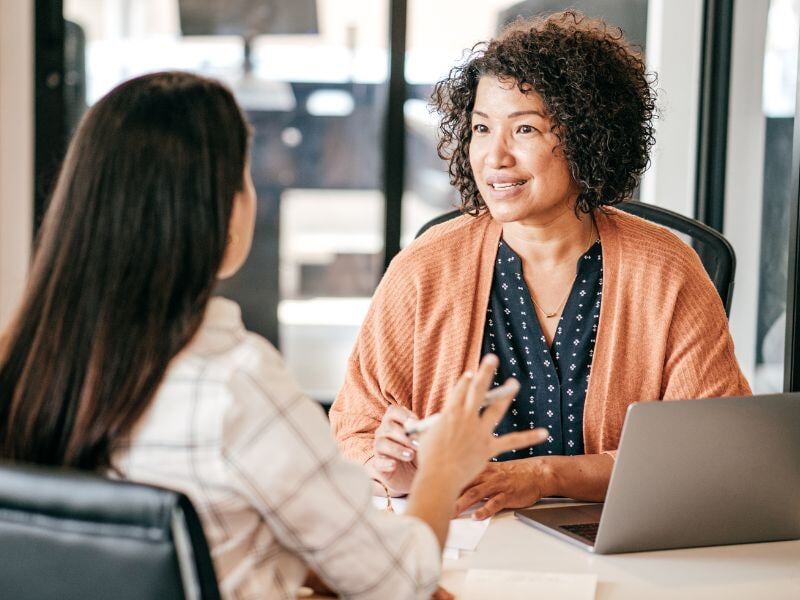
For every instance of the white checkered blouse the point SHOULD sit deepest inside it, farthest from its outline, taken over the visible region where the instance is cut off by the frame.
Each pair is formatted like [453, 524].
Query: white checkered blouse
[230, 428]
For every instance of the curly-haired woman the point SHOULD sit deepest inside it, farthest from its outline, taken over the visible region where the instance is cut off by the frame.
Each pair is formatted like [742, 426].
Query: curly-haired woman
[545, 129]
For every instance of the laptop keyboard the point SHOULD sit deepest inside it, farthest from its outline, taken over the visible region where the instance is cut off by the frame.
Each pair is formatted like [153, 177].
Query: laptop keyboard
[587, 531]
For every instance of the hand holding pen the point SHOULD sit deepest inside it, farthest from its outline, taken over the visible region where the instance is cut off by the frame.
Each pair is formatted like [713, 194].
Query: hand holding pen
[394, 461]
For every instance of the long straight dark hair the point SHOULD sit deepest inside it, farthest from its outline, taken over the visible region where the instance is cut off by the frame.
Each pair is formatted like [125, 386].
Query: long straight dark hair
[125, 264]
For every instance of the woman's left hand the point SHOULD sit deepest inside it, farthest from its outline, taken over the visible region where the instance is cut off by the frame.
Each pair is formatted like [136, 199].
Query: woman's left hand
[510, 484]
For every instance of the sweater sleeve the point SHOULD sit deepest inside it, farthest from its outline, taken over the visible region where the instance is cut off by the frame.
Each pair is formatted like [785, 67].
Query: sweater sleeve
[700, 360]
[278, 455]
[379, 370]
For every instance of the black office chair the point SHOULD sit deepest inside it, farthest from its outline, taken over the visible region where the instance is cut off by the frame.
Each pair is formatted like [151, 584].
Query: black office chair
[67, 535]
[714, 250]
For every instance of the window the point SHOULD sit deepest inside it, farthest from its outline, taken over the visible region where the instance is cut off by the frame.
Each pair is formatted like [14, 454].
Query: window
[311, 76]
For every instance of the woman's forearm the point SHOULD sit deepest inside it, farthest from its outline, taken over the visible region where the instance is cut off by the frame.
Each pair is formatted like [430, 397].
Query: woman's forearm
[432, 498]
[583, 477]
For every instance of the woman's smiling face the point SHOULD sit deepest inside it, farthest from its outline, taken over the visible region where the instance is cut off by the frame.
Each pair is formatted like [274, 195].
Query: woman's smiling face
[516, 159]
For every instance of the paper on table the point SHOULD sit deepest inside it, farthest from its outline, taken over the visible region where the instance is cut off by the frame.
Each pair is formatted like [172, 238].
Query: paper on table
[451, 553]
[482, 584]
[465, 533]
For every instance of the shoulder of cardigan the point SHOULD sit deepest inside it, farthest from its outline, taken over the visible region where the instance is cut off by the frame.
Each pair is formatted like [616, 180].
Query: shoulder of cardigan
[449, 242]
[635, 241]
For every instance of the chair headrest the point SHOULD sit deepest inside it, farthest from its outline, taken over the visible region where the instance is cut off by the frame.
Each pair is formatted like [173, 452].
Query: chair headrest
[78, 495]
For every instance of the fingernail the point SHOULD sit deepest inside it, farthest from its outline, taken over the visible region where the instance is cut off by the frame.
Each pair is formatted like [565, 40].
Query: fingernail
[468, 374]
[406, 453]
[415, 443]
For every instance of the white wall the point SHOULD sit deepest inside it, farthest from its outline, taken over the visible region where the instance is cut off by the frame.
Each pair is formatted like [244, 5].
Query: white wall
[16, 149]
[674, 52]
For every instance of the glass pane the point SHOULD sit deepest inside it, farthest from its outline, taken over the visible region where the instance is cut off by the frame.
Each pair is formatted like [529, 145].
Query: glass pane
[433, 50]
[311, 75]
[779, 84]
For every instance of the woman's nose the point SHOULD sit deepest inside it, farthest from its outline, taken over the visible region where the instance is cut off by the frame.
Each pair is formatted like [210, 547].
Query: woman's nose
[499, 154]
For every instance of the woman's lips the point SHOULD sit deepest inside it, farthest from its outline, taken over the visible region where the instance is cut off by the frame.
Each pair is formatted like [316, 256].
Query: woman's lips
[508, 184]
[502, 190]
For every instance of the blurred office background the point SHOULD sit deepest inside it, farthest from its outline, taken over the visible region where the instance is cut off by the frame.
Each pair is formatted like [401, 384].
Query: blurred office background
[344, 157]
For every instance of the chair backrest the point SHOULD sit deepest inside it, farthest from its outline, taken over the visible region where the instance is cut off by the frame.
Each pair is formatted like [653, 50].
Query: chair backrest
[715, 252]
[75, 535]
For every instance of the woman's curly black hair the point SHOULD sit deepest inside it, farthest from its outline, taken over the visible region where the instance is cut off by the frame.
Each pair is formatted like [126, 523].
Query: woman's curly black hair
[600, 100]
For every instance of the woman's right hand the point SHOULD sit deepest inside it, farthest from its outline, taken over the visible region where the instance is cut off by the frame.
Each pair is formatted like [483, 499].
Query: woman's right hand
[453, 451]
[394, 462]
[462, 442]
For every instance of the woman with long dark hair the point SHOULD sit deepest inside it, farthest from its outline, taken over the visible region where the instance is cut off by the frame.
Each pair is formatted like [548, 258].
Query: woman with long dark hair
[119, 361]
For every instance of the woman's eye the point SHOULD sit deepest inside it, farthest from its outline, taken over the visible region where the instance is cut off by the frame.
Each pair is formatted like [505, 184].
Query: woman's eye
[479, 128]
[526, 129]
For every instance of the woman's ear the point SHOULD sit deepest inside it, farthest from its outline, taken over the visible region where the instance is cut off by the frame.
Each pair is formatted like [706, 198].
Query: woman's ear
[240, 229]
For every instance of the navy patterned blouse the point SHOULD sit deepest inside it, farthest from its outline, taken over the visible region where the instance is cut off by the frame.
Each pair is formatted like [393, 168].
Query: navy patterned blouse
[554, 379]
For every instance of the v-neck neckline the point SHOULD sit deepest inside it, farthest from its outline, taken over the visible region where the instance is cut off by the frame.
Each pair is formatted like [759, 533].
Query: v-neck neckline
[580, 271]
[610, 246]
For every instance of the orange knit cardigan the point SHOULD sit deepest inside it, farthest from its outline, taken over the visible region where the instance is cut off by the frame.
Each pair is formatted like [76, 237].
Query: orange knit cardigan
[662, 332]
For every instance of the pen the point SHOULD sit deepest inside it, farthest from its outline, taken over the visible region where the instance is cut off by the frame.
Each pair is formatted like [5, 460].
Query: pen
[417, 427]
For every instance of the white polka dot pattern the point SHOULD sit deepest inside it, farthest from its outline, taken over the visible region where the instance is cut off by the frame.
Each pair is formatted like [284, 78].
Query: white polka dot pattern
[554, 380]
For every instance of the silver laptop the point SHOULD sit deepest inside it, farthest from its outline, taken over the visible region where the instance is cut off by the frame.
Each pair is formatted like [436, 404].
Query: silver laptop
[693, 473]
